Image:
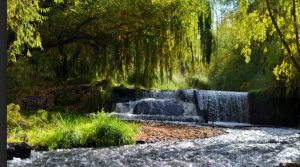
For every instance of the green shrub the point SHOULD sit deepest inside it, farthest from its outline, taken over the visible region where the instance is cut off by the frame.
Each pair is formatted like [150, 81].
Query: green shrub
[19, 123]
[60, 136]
[14, 118]
[110, 131]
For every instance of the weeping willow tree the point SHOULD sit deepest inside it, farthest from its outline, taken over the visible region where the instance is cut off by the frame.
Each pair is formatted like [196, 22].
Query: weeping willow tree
[206, 37]
[140, 41]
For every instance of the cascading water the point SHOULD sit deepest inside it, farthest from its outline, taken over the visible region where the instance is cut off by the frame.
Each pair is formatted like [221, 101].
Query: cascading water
[158, 109]
[223, 106]
[186, 105]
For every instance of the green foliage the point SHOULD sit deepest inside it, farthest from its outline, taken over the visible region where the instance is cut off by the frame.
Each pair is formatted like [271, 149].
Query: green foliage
[14, 118]
[64, 98]
[106, 131]
[198, 82]
[19, 123]
[171, 84]
[20, 74]
[140, 41]
[58, 136]
[23, 16]
[206, 37]
[100, 130]
[44, 130]
[258, 20]
[228, 71]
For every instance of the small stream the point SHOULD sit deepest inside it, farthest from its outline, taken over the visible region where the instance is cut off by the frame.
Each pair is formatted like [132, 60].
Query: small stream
[237, 147]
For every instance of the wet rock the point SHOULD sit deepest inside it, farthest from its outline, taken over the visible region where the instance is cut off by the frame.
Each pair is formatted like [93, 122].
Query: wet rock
[186, 95]
[19, 150]
[284, 142]
[272, 141]
[160, 94]
[122, 94]
[37, 102]
[289, 165]
[68, 96]
[168, 107]
[140, 142]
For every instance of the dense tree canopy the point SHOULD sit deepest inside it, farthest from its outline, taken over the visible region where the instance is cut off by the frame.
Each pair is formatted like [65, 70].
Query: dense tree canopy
[147, 41]
[136, 40]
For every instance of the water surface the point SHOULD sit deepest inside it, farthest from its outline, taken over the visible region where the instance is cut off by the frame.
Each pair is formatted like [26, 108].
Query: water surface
[238, 147]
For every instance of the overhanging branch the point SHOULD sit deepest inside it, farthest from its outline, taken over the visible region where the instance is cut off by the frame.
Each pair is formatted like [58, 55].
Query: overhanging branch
[282, 37]
[296, 26]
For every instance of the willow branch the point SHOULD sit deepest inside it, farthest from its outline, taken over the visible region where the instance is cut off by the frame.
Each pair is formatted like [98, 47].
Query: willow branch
[296, 26]
[282, 37]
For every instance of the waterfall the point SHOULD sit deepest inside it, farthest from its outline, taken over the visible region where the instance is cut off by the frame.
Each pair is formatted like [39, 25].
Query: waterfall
[169, 109]
[223, 106]
[186, 105]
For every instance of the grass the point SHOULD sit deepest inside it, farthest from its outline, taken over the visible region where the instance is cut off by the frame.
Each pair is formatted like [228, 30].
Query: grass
[170, 85]
[44, 130]
[198, 82]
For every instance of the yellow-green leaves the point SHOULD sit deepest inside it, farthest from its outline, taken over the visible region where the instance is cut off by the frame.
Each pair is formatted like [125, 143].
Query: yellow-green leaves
[246, 51]
[285, 72]
[258, 22]
[23, 16]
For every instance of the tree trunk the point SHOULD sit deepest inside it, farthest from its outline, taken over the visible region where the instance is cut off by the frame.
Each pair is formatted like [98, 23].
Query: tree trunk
[64, 67]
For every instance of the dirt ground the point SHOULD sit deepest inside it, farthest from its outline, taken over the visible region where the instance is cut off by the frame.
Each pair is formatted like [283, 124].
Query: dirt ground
[153, 132]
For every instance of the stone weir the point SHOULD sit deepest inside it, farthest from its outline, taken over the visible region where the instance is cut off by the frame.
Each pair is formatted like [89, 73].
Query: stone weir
[223, 106]
[185, 105]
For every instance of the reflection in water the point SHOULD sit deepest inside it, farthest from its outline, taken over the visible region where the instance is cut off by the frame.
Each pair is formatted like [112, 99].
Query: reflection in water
[238, 147]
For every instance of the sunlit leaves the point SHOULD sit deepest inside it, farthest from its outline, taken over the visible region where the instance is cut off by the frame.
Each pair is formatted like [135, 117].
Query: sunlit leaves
[23, 17]
[286, 72]
[255, 25]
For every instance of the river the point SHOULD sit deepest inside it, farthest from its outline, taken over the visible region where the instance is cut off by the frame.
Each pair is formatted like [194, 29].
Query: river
[252, 146]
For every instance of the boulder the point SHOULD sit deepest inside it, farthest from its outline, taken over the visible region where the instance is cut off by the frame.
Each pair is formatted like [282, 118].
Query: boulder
[37, 102]
[18, 150]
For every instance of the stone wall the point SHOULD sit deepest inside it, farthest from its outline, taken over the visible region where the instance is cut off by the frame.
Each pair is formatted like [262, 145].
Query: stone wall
[272, 107]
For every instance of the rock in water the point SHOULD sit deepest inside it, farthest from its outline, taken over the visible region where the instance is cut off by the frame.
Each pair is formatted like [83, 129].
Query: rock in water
[19, 150]
[169, 107]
